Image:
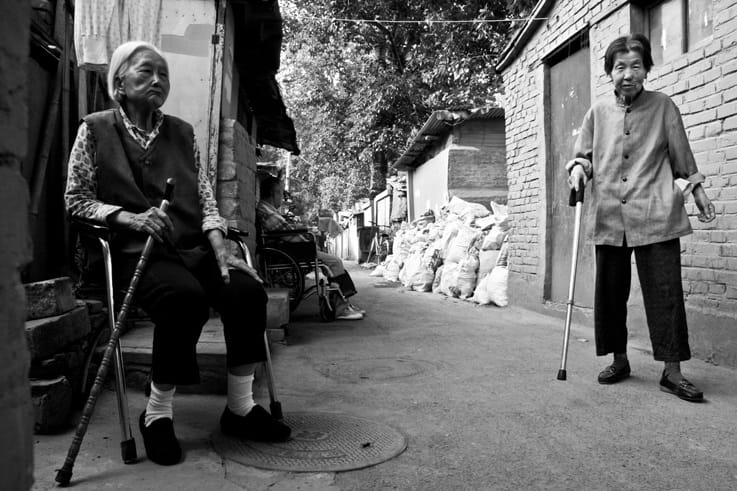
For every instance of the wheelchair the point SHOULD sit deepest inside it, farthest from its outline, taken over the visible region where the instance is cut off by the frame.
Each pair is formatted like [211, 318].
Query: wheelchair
[285, 264]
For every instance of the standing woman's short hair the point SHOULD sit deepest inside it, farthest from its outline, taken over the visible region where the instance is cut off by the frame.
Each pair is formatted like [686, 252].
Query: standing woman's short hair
[119, 62]
[638, 43]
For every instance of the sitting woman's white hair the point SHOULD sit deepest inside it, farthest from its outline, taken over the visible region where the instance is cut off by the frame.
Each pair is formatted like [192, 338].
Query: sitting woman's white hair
[119, 62]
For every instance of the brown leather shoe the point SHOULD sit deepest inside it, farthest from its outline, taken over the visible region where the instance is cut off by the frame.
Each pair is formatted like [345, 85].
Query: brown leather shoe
[683, 389]
[613, 374]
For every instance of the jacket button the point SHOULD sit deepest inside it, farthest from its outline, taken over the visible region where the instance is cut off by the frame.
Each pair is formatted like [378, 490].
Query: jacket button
[624, 179]
[626, 156]
[627, 132]
[629, 110]
[624, 201]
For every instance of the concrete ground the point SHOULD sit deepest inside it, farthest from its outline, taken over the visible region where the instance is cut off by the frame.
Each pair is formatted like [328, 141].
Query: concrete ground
[473, 388]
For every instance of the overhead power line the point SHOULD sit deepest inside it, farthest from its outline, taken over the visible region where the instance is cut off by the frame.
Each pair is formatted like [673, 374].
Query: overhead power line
[414, 21]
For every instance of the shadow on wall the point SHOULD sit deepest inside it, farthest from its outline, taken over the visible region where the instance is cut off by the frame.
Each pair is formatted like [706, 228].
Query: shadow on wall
[194, 42]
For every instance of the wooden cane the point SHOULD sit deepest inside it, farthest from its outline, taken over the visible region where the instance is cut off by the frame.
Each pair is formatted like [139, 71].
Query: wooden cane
[64, 475]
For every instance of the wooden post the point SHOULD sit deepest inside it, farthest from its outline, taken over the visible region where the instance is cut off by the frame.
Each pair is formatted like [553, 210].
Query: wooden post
[216, 89]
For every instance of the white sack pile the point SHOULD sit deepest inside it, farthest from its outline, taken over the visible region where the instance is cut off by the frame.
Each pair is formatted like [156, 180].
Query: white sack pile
[461, 254]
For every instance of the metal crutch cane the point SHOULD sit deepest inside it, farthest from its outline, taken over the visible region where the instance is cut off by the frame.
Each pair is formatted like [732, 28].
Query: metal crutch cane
[274, 404]
[127, 443]
[64, 475]
[575, 199]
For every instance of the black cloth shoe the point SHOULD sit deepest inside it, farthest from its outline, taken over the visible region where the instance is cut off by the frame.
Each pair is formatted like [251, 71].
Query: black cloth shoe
[613, 374]
[683, 389]
[160, 441]
[257, 425]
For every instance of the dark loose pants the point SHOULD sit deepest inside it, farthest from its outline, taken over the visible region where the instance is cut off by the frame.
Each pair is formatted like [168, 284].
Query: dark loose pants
[178, 300]
[659, 271]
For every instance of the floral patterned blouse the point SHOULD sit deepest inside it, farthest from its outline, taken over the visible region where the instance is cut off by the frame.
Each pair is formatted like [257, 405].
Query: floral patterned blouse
[81, 192]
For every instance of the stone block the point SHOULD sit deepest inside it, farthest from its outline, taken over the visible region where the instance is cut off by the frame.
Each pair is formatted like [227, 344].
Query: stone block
[51, 335]
[52, 402]
[49, 298]
[59, 364]
[277, 309]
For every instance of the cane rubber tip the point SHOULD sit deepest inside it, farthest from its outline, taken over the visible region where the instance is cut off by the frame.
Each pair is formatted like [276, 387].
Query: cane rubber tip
[63, 477]
[561, 374]
[275, 409]
[128, 451]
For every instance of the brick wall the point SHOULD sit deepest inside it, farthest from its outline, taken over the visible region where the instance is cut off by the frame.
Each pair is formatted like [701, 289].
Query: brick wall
[16, 418]
[236, 178]
[477, 162]
[703, 83]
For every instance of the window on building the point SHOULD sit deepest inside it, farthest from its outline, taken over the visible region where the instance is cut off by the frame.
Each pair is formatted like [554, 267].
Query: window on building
[676, 26]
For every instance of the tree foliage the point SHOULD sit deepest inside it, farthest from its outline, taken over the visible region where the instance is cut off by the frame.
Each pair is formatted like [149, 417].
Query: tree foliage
[357, 91]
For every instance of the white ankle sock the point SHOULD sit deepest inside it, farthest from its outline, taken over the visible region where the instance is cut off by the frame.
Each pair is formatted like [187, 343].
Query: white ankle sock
[240, 394]
[159, 404]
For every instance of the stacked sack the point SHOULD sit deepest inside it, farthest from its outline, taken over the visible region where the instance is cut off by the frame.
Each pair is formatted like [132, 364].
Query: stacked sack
[455, 255]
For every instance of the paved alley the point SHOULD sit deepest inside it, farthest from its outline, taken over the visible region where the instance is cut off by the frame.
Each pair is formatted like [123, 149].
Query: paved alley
[474, 390]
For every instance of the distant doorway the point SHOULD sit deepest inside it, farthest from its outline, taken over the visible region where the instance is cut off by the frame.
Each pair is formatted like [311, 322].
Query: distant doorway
[569, 97]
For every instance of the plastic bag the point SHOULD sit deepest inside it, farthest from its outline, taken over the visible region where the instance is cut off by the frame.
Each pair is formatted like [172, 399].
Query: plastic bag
[496, 286]
[423, 279]
[450, 279]
[461, 243]
[466, 210]
[378, 270]
[467, 271]
[487, 260]
[411, 266]
[391, 272]
[481, 294]
[494, 239]
[449, 233]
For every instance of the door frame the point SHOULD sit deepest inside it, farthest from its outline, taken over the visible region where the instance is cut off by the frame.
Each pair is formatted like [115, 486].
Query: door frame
[580, 40]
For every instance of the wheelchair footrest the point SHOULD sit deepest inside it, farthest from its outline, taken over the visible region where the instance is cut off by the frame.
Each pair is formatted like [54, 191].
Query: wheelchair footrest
[277, 311]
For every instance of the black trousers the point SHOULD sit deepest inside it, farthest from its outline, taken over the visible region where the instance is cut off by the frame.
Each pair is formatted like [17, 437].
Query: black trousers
[659, 271]
[345, 282]
[178, 299]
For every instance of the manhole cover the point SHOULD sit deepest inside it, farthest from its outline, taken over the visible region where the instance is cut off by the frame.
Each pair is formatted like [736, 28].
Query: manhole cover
[320, 442]
[375, 368]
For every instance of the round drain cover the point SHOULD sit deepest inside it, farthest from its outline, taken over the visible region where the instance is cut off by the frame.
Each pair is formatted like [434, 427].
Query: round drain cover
[375, 369]
[320, 442]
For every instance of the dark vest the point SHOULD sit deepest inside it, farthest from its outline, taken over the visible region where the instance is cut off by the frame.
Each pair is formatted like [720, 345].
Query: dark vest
[135, 179]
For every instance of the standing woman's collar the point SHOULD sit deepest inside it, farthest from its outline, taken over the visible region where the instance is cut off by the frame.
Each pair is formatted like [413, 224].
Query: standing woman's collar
[621, 101]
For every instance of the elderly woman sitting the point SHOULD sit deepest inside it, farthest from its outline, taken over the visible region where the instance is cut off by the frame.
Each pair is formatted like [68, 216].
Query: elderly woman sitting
[117, 173]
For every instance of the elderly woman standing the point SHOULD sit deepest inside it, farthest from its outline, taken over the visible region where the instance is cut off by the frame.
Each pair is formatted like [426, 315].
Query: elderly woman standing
[117, 173]
[632, 147]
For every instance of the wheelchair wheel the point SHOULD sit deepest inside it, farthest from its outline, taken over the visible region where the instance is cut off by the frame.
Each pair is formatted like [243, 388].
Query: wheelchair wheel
[279, 270]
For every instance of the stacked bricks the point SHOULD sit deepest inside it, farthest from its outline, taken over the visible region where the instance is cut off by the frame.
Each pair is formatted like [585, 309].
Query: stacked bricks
[236, 178]
[476, 162]
[16, 420]
[61, 334]
[703, 84]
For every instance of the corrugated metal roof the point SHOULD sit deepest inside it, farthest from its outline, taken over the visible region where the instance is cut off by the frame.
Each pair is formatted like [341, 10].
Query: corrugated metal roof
[437, 126]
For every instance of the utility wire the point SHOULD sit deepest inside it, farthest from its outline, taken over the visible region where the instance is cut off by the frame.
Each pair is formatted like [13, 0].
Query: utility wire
[409, 21]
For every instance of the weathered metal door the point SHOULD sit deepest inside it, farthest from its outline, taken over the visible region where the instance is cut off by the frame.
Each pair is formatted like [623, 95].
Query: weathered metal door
[570, 98]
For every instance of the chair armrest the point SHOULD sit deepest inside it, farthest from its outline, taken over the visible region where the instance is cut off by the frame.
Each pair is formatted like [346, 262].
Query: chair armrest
[91, 228]
[236, 234]
[286, 233]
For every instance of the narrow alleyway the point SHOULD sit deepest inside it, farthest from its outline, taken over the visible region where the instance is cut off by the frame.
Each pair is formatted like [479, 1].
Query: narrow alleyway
[473, 389]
